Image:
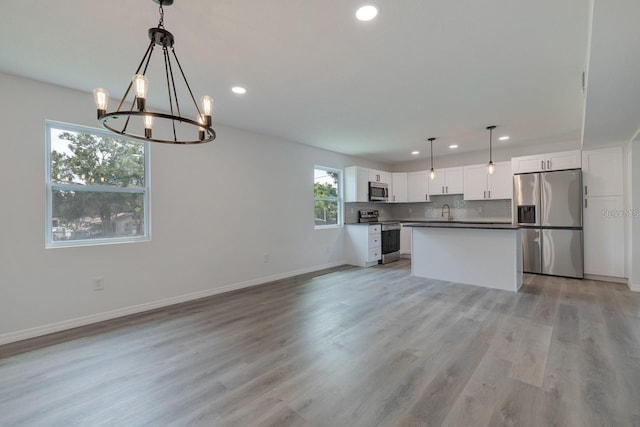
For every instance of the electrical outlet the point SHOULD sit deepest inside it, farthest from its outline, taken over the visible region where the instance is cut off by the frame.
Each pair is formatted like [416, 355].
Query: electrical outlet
[98, 284]
[410, 210]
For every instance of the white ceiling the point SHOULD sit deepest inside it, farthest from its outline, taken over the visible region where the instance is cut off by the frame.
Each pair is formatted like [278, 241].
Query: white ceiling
[317, 76]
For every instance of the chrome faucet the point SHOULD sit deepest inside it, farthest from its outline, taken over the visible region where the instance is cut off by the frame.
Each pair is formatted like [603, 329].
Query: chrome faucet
[449, 217]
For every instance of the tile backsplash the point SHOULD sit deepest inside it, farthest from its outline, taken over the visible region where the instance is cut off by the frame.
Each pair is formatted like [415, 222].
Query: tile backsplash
[461, 210]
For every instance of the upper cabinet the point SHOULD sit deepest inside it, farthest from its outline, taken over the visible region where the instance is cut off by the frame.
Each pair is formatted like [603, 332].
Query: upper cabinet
[547, 162]
[379, 176]
[356, 184]
[602, 172]
[447, 181]
[398, 184]
[418, 186]
[480, 185]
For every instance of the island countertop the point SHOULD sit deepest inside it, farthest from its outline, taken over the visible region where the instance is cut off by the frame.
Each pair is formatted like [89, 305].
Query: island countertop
[464, 224]
[488, 255]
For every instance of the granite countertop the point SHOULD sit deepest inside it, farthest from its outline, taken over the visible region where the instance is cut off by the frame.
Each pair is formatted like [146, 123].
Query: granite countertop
[496, 223]
[464, 224]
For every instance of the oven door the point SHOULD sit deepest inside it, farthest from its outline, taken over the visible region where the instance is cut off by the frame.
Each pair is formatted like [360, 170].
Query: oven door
[390, 236]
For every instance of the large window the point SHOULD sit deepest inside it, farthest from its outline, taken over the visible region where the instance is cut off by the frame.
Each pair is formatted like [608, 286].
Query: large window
[97, 187]
[327, 188]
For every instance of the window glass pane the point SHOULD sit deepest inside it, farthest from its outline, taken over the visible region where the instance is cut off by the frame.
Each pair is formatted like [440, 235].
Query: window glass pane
[97, 187]
[326, 192]
[80, 215]
[326, 212]
[87, 159]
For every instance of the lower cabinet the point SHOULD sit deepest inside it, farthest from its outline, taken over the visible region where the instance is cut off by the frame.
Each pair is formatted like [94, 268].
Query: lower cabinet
[363, 246]
[604, 236]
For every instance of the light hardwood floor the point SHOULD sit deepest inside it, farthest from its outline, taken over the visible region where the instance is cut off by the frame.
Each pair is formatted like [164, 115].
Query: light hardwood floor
[345, 347]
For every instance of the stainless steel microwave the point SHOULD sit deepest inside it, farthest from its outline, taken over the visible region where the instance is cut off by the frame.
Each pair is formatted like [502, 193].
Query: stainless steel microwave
[378, 191]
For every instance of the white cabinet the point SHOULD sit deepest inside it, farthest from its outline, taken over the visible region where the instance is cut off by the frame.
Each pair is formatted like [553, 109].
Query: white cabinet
[603, 233]
[480, 185]
[602, 172]
[447, 181]
[379, 176]
[603, 213]
[362, 244]
[547, 162]
[356, 184]
[398, 187]
[417, 186]
[405, 240]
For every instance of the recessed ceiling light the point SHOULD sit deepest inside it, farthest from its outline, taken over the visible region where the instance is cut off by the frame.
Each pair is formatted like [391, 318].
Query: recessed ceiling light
[453, 146]
[238, 90]
[415, 153]
[503, 138]
[367, 12]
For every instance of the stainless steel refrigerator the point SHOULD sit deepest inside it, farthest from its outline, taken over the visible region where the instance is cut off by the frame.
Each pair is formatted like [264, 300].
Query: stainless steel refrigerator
[548, 207]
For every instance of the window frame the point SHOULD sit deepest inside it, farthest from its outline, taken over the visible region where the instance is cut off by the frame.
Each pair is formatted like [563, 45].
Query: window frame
[338, 199]
[51, 187]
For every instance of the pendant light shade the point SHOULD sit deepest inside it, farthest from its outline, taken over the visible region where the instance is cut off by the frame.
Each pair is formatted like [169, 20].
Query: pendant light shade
[490, 166]
[432, 171]
[135, 120]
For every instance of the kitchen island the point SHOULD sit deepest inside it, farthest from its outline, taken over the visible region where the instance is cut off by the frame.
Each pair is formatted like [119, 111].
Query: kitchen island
[481, 254]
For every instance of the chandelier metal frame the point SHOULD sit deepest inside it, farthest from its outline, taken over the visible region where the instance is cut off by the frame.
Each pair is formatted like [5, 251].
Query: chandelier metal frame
[161, 37]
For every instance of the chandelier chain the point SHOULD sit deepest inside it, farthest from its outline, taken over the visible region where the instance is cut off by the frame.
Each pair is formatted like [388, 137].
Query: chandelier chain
[161, 11]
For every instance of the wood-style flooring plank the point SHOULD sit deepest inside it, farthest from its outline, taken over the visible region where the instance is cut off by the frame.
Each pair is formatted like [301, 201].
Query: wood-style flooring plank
[343, 347]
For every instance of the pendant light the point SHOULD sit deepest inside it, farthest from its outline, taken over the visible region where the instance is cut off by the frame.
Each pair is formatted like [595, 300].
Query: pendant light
[136, 121]
[432, 171]
[490, 166]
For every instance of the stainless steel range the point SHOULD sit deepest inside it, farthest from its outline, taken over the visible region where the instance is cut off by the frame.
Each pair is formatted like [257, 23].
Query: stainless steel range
[390, 234]
[390, 242]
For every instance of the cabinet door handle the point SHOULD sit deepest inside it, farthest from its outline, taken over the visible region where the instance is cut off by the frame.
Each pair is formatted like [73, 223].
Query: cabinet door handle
[447, 187]
[549, 164]
[394, 197]
[586, 190]
[485, 194]
[489, 193]
[585, 203]
[426, 197]
[542, 164]
[443, 189]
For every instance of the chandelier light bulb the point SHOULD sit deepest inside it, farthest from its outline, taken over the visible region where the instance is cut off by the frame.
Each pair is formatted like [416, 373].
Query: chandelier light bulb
[140, 87]
[101, 98]
[432, 174]
[201, 120]
[148, 124]
[207, 109]
[491, 168]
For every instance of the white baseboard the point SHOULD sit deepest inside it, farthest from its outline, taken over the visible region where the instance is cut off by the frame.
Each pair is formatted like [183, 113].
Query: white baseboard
[139, 308]
[634, 288]
[623, 280]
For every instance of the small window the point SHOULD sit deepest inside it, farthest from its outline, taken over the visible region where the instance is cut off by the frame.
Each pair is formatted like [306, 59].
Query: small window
[327, 189]
[97, 187]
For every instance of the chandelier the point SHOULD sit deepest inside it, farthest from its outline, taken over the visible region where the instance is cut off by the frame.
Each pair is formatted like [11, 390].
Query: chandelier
[134, 120]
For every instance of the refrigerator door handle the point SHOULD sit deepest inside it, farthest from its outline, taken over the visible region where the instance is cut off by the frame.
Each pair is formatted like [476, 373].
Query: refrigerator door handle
[586, 191]
[585, 203]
